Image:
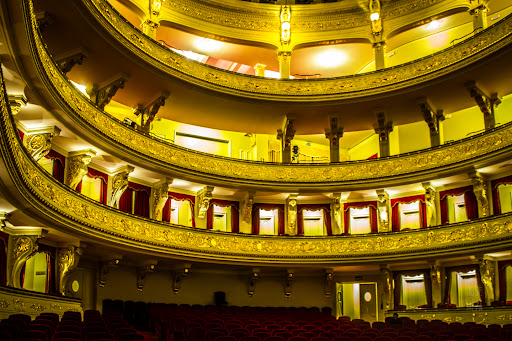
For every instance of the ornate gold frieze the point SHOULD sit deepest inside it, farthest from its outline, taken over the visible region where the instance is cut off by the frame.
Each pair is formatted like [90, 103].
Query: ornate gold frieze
[360, 85]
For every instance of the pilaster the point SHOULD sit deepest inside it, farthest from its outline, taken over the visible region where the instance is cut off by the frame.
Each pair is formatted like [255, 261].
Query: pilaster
[67, 262]
[334, 133]
[383, 209]
[203, 201]
[430, 203]
[383, 128]
[481, 192]
[291, 210]
[160, 196]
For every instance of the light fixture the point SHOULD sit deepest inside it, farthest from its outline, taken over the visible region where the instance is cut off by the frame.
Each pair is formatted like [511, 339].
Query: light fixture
[207, 45]
[375, 17]
[285, 24]
[331, 58]
[154, 6]
[433, 25]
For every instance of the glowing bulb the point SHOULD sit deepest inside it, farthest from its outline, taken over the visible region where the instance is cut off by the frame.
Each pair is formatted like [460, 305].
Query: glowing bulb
[375, 16]
[331, 58]
[208, 45]
[285, 26]
[433, 25]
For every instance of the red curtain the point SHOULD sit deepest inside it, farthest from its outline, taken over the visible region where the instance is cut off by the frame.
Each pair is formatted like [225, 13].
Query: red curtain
[126, 201]
[59, 162]
[373, 214]
[95, 174]
[395, 210]
[455, 193]
[141, 204]
[50, 252]
[166, 211]
[234, 213]
[502, 273]
[397, 278]
[463, 269]
[267, 207]
[326, 208]
[495, 193]
[22, 134]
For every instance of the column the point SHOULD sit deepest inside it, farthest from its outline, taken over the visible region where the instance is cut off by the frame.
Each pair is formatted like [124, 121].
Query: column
[387, 287]
[286, 136]
[337, 214]
[435, 278]
[383, 209]
[379, 50]
[430, 203]
[383, 128]
[203, 201]
[291, 214]
[259, 70]
[334, 133]
[246, 212]
[434, 120]
[479, 12]
[160, 195]
[284, 58]
[481, 192]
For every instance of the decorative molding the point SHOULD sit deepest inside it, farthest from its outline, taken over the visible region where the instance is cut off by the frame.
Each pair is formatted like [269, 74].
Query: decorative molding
[481, 192]
[288, 284]
[383, 210]
[102, 94]
[291, 209]
[149, 112]
[68, 60]
[430, 203]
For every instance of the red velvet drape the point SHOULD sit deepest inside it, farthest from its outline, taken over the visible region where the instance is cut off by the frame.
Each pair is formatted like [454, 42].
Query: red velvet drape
[373, 214]
[267, 207]
[326, 208]
[471, 205]
[397, 279]
[51, 279]
[235, 227]
[22, 134]
[454, 192]
[126, 201]
[59, 162]
[463, 269]
[502, 266]
[395, 210]
[141, 204]
[166, 212]
[495, 193]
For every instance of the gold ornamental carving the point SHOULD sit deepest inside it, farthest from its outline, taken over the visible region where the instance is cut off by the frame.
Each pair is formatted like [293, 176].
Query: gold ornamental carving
[39, 145]
[55, 307]
[78, 167]
[24, 247]
[160, 197]
[67, 262]
[203, 198]
[18, 305]
[119, 185]
[4, 304]
[37, 307]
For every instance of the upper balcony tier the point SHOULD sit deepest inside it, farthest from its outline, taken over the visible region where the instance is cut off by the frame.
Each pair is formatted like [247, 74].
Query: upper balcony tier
[209, 96]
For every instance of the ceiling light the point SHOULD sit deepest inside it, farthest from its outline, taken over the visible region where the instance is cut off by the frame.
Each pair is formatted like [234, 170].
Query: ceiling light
[207, 45]
[331, 58]
[433, 25]
[374, 16]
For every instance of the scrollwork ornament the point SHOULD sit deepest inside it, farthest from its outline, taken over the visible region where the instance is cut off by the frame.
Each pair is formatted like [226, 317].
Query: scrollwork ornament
[39, 145]
[24, 247]
[67, 262]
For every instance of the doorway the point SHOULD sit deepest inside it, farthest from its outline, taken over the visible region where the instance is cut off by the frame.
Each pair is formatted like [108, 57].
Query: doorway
[357, 300]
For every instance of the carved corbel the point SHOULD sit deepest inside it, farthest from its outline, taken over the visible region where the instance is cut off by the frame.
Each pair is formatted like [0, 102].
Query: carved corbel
[119, 185]
[4, 217]
[246, 208]
[39, 142]
[149, 112]
[161, 194]
[487, 268]
[430, 203]
[255, 275]
[388, 285]
[66, 263]
[78, 162]
[105, 267]
[203, 197]
[286, 136]
[481, 193]
[179, 276]
[23, 248]
[67, 61]
[291, 206]
[383, 128]
[329, 277]
[433, 117]
[142, 271]
[16, 102]
[334, 133]
[102, 94]
[43, 20]
[288, 284]
[383, 208]
[485, 102]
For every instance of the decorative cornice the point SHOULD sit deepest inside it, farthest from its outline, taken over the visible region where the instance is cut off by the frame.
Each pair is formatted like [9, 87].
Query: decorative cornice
[177, 159]
[356, 86]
